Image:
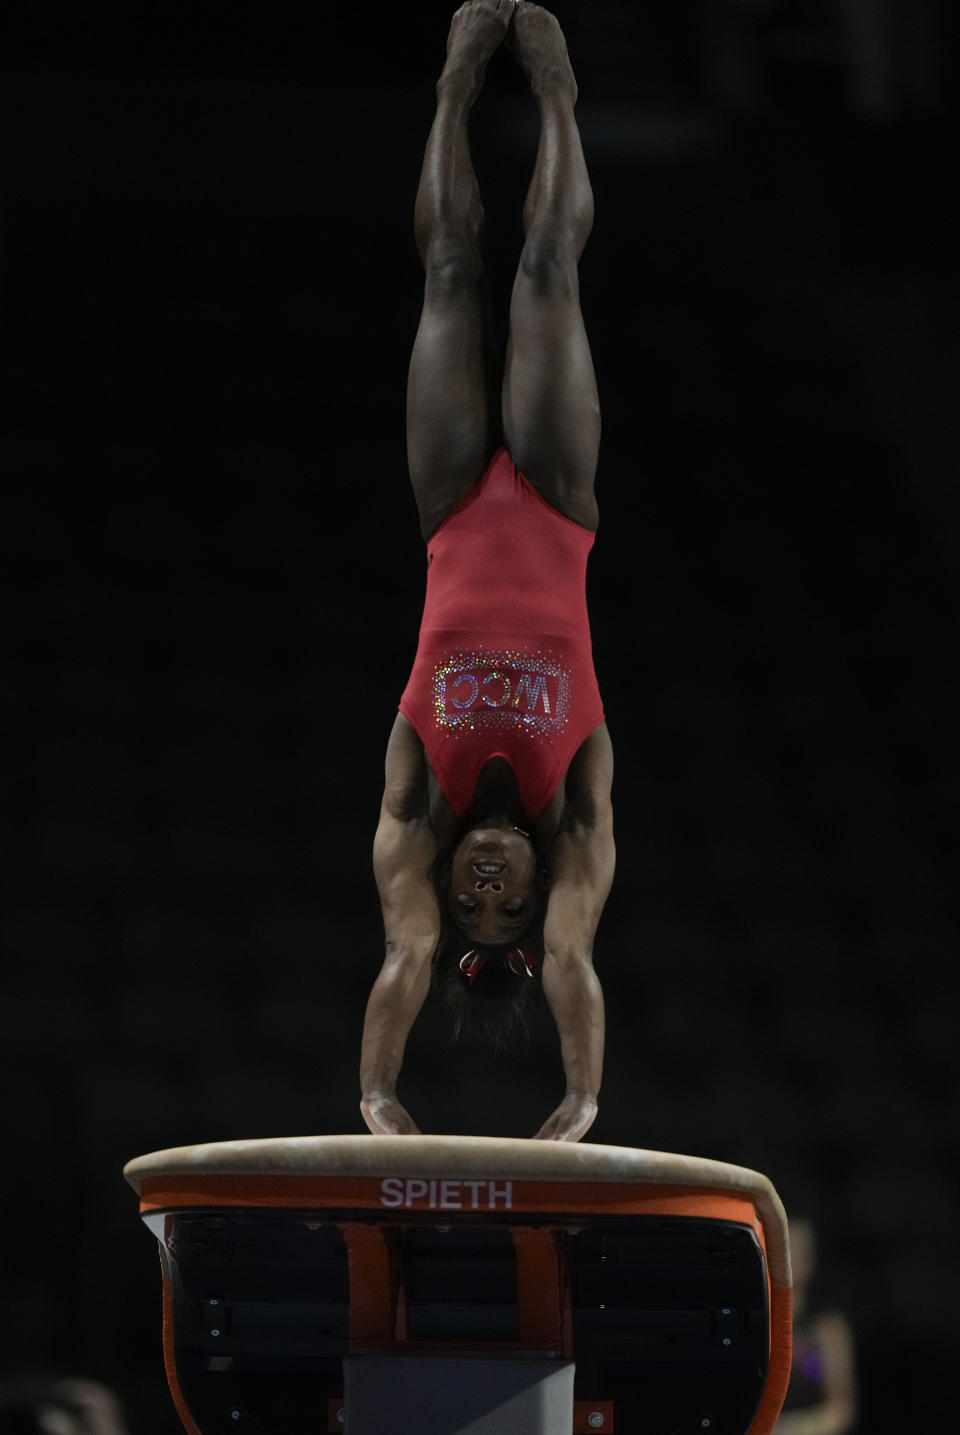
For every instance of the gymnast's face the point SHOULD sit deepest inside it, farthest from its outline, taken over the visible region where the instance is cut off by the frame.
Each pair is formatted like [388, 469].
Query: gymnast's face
[492, 885]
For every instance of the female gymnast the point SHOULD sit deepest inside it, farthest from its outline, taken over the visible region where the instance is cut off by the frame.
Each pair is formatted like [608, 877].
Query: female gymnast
[495, 847]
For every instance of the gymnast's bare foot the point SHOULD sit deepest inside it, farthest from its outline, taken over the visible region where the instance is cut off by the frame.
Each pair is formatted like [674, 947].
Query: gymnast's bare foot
[538, 43]
[476, 30]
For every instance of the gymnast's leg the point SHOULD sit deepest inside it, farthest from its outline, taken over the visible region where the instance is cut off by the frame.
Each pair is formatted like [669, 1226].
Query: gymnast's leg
[551, 413]
[447, 422]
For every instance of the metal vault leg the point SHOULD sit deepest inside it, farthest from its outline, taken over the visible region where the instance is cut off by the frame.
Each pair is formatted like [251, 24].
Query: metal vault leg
[457, 1395]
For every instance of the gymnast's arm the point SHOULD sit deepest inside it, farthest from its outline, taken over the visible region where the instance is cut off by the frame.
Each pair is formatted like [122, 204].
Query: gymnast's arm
[583, 861]
[837, 1412]
[404, 851]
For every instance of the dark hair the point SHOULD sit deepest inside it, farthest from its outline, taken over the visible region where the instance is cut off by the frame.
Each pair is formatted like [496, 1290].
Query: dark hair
[496, 1005]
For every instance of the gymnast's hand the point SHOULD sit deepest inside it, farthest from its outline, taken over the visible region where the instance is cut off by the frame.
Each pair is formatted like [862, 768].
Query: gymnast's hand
[571, 1120]
[386, 1117]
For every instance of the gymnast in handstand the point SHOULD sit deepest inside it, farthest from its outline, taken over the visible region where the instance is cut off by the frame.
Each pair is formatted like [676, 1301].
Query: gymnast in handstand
[494, 851]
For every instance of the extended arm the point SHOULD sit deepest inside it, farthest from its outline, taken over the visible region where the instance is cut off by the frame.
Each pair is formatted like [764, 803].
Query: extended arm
[583, 863]
[837, 1412]
[404, 850]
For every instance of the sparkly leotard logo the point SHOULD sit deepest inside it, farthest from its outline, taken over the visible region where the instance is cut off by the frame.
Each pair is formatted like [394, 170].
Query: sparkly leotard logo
[508, 689]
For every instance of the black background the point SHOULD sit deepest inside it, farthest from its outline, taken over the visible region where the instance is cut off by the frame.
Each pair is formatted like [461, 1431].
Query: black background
[211, 585]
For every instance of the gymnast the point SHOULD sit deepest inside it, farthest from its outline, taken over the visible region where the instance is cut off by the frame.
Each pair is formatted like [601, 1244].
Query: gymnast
[494, 851]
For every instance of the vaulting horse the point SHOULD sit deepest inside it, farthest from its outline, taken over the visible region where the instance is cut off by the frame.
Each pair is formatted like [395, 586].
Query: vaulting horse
[456, 1285]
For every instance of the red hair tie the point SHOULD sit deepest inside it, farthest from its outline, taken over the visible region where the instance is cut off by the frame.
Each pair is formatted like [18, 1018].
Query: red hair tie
[518, 962]
[516, 959]
[471, 964]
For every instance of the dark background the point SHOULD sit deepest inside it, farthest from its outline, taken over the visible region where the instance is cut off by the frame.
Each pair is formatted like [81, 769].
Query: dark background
[211, 586]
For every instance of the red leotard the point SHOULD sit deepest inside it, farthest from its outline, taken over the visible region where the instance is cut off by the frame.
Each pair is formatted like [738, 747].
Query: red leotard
[504, 665]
